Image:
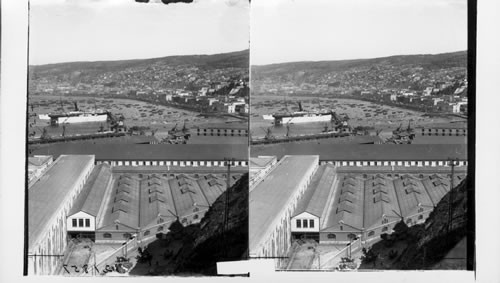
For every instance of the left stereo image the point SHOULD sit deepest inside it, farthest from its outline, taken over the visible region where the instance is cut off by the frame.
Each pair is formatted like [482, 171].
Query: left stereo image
[137, 138]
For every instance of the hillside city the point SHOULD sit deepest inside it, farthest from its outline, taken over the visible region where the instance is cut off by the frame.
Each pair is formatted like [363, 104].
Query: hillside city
[434, 83]
[187, 84]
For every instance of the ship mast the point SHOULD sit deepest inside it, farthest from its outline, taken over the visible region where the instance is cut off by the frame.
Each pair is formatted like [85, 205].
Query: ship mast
[60, 101]
[286, 104]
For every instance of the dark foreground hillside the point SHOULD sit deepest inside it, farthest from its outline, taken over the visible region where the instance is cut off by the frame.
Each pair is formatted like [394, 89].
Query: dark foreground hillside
[432, 245]
[194, 250]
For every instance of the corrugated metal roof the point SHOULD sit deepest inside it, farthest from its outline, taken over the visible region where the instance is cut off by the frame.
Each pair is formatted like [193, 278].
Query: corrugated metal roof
[132, 152]
[436, 192]
[348, 205]
[93, 192]
[183, 199]
[411, 196]
[269, 198]
[156, 200]
[38, 160]
[261, 161]
[357, 152]
[119, 209]
[318, 193]
[46, 196]
[379, 203]
[212, 188]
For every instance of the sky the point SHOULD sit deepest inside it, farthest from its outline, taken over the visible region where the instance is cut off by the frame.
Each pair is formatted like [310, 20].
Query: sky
[94, 30]
[315, 30]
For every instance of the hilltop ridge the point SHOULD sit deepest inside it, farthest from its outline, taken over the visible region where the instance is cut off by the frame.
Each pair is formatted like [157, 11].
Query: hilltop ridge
[237, 59]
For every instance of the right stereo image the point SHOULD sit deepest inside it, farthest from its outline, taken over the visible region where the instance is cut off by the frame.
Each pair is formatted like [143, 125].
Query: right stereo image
[359, 135]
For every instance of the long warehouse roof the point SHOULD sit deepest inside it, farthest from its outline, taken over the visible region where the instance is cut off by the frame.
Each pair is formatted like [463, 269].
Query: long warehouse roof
[271, 196]
[366, 152]
[149, 151]
[46, 196]
[90, 198]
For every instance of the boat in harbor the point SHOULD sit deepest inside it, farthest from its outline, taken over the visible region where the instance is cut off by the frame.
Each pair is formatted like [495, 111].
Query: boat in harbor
[78, 116]
[302, 116]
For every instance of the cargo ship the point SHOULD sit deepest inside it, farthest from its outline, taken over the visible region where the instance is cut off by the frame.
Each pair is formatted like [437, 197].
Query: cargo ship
[302, 116]
[78, 116]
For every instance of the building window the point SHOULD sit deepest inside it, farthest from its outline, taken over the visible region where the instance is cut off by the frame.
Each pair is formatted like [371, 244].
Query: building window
[341, 228]
[332, 236]
[299, 223]
[195, 216]
[107, 235]
[371, 233]
[304, 222]
[384, 229]
[127, 236]
[420, 217]
[87, 222]
[160, 220]
[408, 221]
[160, 228]
[146, 232]
[311, 223]
[385, 221]
[73, 222]
[351, 237]
[80, 222]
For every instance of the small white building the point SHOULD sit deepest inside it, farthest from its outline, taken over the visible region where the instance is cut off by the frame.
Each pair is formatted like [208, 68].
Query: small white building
[305, 222]
[81, 220]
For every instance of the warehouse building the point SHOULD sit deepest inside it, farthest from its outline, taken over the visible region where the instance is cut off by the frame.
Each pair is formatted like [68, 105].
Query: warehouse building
[359, 155]
[272, 203]
[50, 200]
[340, 207]
[352, 192]
[111, 207]
[101, 198]
[309, 215]
[144, 205]
[259, 167]
[155, 155]
[82, 218]
[37, 165]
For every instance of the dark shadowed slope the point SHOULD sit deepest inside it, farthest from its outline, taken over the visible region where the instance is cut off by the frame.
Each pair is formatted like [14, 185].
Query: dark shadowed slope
[430, 245]
[194, 250]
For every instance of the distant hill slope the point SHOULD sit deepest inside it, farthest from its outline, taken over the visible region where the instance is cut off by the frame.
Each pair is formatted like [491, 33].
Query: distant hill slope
[444, 60]
[426, 245]
[237, 59]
